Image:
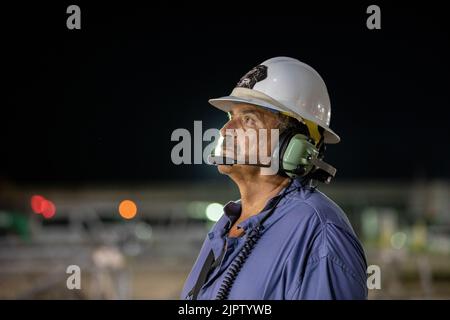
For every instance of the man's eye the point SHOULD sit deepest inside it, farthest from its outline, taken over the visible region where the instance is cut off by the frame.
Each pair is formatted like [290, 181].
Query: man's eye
[248, 120]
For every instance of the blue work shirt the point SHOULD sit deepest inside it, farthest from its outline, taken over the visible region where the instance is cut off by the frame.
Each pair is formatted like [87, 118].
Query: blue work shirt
[307, 250]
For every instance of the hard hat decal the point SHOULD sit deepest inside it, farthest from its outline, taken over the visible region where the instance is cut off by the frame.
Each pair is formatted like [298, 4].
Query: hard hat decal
[255, 75]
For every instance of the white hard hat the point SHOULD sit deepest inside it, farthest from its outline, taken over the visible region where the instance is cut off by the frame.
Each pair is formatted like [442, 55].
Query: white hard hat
[286, 85]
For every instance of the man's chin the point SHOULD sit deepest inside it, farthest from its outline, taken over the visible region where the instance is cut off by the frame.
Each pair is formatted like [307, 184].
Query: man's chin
[237, 168]
[224, 169]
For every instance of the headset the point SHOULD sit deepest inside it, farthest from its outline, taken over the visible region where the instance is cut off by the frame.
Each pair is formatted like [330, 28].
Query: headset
[300, 157]
[297, 155]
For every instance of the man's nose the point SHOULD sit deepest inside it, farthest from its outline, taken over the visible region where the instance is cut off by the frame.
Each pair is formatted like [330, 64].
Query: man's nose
[228, 129]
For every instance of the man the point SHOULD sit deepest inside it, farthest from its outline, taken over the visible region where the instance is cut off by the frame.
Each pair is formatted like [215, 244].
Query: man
[283, 239]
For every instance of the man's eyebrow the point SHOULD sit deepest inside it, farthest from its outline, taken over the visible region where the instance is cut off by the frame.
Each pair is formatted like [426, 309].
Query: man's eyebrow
[250, 111]
[244, 112]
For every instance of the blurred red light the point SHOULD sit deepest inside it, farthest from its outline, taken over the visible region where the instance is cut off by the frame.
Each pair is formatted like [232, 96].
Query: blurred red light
[49, 209]
[40, 205]
[37, 203]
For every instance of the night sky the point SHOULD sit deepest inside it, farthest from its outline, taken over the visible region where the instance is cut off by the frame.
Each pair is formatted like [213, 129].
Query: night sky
[99, 104]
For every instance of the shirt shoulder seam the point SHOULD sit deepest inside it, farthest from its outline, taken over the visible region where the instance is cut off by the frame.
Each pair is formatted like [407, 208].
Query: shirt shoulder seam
[336, 261]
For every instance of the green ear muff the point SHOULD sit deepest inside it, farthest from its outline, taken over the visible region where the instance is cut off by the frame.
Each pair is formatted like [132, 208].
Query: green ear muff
[296, 155]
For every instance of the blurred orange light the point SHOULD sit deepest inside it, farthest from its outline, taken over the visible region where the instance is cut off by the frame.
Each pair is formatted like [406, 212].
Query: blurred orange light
[37, 203]
[127, 209]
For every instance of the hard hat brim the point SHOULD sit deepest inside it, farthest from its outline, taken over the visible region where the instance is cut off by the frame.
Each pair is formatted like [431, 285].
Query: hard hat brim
[226, 103]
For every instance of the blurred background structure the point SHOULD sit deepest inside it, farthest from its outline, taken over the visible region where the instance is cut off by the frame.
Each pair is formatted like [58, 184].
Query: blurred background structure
[86, 176]
[405, 229]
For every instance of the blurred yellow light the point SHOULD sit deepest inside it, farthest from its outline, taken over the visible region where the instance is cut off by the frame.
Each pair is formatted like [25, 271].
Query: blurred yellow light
[127, 209]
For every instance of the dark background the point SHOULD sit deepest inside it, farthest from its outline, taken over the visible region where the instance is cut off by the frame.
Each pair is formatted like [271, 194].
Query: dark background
[99, 104]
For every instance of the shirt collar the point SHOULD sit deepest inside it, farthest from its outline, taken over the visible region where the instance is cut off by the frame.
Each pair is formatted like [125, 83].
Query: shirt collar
[232, 211]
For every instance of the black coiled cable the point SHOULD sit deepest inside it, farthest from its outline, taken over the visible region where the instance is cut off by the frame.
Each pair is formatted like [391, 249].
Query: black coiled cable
[242, 256]
[237, 263]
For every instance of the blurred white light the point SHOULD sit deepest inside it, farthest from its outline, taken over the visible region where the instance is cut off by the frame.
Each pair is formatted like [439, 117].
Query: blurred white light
[108, 257]
[214, 211]
[398, 240]
[143, 231]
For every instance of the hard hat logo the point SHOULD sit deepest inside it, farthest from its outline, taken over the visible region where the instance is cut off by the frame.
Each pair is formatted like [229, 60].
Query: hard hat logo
[255, 75]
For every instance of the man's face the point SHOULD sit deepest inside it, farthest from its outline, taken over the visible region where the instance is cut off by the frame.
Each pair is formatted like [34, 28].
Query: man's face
[247, 136]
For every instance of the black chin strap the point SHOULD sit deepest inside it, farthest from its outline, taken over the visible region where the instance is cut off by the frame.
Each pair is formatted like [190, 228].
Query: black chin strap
[207, 266]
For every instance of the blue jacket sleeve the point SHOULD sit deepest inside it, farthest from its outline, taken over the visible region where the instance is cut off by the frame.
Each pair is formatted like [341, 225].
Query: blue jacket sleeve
[328, 279]
[336, 268]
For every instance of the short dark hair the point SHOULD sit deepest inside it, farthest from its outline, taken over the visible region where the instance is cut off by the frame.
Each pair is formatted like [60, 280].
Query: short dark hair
[289, 123]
